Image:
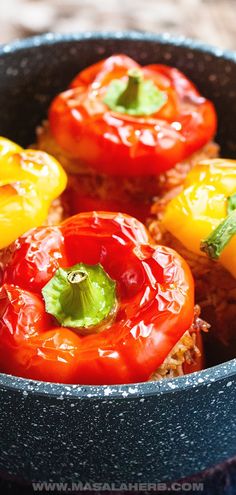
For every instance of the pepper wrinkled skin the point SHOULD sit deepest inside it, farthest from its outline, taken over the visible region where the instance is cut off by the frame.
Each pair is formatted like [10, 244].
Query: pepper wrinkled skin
[128, 145]
[202, 206]
[154, 293]
[29, 181]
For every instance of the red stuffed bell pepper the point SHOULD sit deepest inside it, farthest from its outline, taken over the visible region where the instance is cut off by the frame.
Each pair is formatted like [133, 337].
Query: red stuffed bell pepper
[127, 132]
[92, 302]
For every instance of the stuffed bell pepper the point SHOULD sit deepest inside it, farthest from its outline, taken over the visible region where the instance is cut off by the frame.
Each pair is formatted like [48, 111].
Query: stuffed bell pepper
[200, 223]
[30, 181]
[127, 133]
[92, 301]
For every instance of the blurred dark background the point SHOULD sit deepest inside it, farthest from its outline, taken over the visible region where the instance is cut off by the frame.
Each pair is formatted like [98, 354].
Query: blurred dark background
[212, 21]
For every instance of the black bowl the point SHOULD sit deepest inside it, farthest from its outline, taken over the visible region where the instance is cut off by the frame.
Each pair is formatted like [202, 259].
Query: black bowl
[146, 432]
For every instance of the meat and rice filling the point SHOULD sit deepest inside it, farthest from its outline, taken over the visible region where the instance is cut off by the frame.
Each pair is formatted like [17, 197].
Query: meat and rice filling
[141, 191]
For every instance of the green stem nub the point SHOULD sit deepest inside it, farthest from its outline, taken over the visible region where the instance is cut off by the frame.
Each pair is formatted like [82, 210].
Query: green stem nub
[130, 97]
[77, 298]
[231, 203]
[136, 96]
[81, 297]
[214, 244]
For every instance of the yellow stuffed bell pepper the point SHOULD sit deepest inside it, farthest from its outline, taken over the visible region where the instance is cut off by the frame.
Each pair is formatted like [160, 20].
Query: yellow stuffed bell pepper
[203, 216]
[29, 181]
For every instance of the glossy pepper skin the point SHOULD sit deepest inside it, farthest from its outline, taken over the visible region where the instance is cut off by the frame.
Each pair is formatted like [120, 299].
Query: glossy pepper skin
[154, 294]
[128, 145]
[202, 206]
[29, 181]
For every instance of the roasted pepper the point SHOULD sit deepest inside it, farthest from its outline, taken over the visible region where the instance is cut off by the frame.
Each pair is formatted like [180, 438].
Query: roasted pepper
[92, 302]
[203, 216]
[29, 181]
[123, 119]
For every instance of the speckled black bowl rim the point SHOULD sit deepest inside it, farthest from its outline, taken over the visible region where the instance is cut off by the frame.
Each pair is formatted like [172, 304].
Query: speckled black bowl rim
[201, 378]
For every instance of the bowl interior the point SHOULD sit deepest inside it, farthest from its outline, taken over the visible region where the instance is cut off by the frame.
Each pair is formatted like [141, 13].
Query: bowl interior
[33, 71]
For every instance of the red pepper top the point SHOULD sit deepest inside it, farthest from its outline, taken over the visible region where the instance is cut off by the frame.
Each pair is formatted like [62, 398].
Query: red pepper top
[123, 119]
[98, 268]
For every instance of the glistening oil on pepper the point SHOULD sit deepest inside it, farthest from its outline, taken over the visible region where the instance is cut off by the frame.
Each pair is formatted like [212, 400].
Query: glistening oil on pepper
[139, 305]
[29, 181]
[124, 133]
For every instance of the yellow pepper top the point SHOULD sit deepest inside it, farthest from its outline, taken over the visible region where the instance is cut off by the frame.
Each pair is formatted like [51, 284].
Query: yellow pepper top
[29, 181]
[202, 206]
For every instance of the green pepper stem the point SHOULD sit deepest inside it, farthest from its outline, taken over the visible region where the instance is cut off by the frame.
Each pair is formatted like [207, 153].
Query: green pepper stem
[77, 299]
[214, 244]
[130, 97]
[231, 203]
[82, 297]
[138, 96]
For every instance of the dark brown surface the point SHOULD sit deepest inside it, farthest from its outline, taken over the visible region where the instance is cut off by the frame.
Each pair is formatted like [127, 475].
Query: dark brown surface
[212, 21]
